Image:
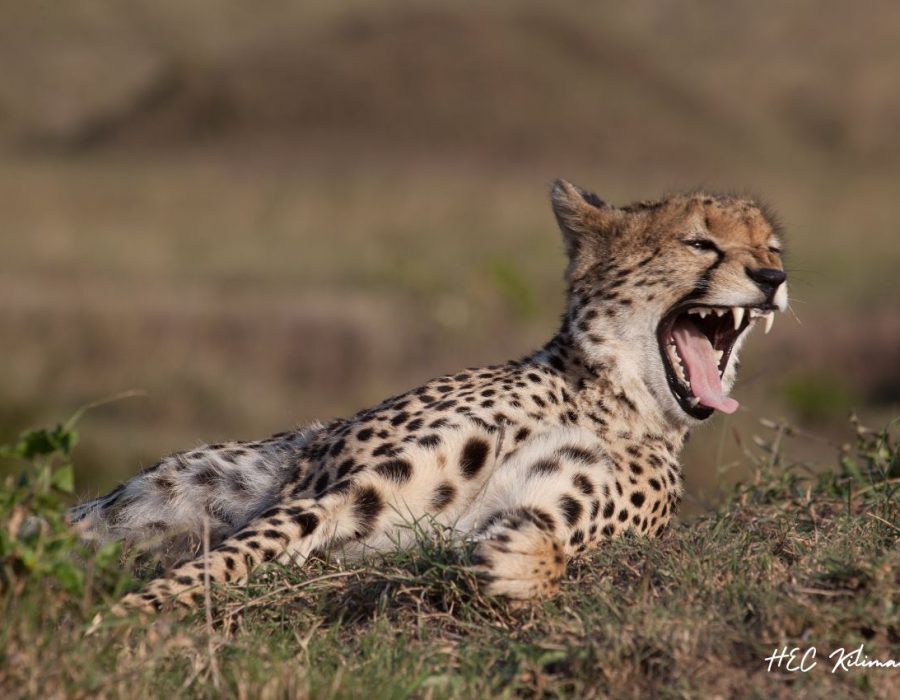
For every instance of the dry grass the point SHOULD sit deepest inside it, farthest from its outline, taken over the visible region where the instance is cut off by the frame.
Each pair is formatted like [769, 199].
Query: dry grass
[790, 560]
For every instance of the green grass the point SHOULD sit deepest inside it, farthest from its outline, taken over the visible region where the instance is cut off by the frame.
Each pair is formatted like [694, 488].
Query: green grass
[798, 556]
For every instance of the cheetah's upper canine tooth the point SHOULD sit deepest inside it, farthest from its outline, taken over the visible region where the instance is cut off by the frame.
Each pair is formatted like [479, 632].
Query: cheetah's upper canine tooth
[770, 319]
[781, 296]
[738, 312]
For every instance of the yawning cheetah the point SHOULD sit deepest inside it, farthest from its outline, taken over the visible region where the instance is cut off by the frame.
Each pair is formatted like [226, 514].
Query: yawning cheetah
[535, 460]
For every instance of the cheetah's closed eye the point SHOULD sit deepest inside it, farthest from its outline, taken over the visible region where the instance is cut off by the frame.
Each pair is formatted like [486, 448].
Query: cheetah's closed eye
[535, 460]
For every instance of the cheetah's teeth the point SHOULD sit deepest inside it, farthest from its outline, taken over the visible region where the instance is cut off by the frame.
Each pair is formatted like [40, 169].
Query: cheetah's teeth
[781, 296]
[770, 319]
[719, 355]
[694, 401]
[738, 312]
[720, 312]
[677, 365]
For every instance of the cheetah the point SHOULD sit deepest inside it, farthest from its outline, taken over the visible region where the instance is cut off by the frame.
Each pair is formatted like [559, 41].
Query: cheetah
[531, 462]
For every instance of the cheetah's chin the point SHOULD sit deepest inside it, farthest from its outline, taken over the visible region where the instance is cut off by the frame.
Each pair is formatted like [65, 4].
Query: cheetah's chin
[695, 343]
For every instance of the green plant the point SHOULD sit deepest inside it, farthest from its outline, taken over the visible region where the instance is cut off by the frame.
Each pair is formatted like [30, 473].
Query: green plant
[36, 543]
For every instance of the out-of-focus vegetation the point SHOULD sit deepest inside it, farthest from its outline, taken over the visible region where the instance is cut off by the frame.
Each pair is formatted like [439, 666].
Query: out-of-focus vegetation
[260, 215]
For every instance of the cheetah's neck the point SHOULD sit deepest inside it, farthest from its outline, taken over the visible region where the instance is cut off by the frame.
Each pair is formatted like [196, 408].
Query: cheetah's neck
[611, 397]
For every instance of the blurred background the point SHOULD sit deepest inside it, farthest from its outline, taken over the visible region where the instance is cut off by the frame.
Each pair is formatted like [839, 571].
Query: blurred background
[262, 213]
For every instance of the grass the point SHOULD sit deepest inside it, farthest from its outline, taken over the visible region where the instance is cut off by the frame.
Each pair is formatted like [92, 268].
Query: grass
[799, 555]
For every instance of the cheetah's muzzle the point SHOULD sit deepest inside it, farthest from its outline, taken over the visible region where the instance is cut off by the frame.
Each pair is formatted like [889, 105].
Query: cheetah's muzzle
[695, 344]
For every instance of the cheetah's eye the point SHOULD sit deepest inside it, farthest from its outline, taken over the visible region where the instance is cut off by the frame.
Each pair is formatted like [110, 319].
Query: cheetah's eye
[703, 244]
[775, 250]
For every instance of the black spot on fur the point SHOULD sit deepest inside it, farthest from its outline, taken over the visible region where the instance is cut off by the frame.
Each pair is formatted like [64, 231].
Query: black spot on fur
[474, 456]
[275, 535]
[397, 470]
[366, 507]
[164, 484]
[344, 468]
[542, 519]
[544, 467]
[206, 476]
[341, 486]
[609, 509]
[430, 440]
[443, 496]
[322, 482]
[583, 484]
[637, 498]
[364, 434]
[571, 509]
[337, 447]
[385, 450]
[307, 521]
[579, 454]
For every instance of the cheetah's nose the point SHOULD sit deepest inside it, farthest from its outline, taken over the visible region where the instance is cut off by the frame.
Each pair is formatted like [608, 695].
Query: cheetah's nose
[767, 279]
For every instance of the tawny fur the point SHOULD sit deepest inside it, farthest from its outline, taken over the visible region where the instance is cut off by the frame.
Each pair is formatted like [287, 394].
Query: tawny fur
[533, 461]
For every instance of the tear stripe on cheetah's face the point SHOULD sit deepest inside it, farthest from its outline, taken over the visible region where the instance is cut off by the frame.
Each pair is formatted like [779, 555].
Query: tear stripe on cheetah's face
[666, 292]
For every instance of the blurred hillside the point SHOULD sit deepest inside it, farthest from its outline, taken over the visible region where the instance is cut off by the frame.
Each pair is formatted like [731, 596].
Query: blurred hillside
[262, 214]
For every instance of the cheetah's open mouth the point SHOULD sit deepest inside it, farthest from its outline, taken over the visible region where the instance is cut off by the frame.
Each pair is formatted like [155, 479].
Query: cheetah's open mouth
[695, 343]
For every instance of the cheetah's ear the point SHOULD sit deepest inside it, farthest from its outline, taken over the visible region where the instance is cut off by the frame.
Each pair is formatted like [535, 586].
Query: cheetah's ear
[586, 222]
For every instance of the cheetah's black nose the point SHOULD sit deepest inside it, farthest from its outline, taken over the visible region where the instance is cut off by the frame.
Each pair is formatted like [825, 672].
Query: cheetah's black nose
[767, 279]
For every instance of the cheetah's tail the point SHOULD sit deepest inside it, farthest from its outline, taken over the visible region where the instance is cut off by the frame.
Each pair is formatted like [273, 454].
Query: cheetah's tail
[166, 508]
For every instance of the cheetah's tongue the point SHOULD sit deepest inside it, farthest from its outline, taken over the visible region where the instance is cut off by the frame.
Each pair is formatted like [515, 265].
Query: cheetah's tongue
[702, 369]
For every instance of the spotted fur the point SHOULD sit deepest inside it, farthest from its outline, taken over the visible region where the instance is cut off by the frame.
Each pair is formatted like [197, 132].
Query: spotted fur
[534, 461]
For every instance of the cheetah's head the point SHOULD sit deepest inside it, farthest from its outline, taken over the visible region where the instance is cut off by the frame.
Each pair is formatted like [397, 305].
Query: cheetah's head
[671, 288]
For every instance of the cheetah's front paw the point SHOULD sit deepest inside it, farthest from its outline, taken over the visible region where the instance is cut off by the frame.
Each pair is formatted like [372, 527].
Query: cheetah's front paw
[518, 558]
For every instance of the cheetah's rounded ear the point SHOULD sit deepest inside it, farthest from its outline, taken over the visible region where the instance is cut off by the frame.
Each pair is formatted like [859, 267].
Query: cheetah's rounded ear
[583, 218]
